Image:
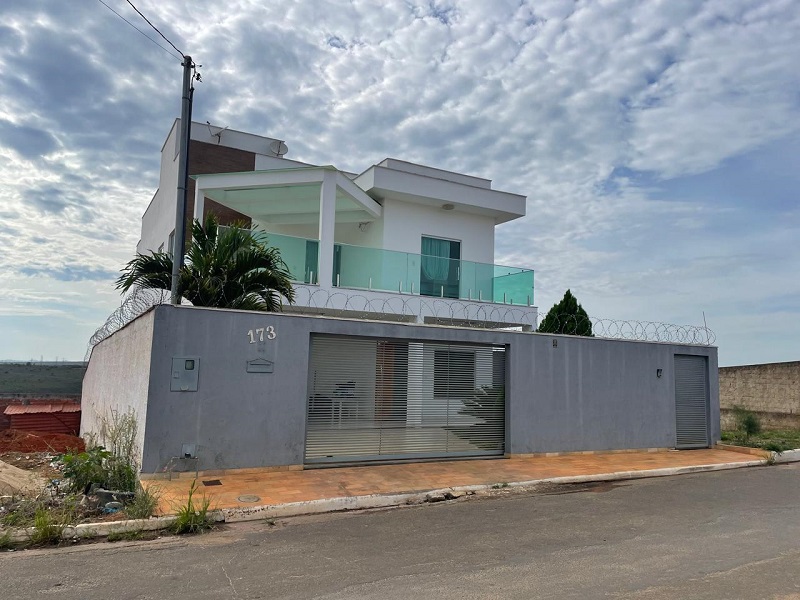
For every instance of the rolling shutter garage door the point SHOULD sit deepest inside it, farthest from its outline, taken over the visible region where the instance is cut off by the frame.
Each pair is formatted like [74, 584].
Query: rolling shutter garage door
[691, 401]
[372, 399]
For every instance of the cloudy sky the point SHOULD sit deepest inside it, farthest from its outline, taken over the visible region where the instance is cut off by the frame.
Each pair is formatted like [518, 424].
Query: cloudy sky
[658, 142]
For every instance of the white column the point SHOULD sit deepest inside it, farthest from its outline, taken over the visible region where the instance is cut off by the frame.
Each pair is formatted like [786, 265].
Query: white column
[199, 202]
[327, 227]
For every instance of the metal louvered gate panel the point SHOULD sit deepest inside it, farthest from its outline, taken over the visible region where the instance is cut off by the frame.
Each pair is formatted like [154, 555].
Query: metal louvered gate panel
[691, 401]
[388, 399]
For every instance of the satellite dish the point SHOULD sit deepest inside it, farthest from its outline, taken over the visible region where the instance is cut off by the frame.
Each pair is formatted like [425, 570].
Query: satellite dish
[278, 148]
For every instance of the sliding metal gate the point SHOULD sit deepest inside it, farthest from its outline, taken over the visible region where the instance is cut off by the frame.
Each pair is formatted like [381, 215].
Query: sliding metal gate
[387, 399]
[691, 401]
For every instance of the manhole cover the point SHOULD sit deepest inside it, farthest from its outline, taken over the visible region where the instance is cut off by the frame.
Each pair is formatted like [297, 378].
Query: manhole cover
[248, 498]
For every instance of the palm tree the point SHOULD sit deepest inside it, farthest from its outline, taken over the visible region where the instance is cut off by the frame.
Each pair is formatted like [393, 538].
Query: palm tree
[226, 267]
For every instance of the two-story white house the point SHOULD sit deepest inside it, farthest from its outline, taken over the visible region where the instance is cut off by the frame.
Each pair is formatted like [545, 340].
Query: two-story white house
[398, 241]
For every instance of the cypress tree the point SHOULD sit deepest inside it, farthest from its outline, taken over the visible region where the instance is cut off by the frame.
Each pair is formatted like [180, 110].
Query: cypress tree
[568, 317]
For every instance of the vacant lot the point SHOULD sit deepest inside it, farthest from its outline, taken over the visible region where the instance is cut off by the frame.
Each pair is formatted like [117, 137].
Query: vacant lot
[37, 378]
[774, 439]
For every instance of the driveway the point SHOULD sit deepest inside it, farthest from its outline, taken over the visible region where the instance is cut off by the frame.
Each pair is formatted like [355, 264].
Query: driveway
[729, 534]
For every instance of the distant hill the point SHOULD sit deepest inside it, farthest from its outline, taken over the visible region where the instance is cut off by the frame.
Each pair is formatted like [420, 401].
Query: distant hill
[41, 378]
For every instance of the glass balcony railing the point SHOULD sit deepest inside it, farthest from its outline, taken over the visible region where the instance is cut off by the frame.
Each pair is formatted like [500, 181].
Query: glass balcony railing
[299, 254]
[406, 273]
[375, 269]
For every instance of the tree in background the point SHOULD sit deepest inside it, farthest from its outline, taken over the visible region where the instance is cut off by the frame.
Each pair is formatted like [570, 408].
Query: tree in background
[226, 267]
[567, 317]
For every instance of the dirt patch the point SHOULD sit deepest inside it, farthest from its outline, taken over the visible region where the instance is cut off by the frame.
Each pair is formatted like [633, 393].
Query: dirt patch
[15, 481]
[38, 462]
[14, 440]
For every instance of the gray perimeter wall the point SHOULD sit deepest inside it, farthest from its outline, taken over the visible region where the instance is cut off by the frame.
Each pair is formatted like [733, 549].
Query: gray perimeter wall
[117, 378]
[771, 390]
[583, 394]
[596, 394]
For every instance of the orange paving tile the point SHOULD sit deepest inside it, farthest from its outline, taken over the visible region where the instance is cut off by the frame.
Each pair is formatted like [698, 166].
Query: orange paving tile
[280, 487]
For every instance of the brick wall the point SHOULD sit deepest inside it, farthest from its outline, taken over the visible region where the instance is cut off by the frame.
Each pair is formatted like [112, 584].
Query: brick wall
[209, 158]
[770, 390]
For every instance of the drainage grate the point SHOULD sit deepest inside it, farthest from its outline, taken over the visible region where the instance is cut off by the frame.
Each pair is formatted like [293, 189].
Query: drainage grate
[212, 482]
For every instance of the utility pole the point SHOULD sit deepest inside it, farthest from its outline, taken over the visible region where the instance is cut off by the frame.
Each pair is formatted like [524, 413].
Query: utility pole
[183, 180]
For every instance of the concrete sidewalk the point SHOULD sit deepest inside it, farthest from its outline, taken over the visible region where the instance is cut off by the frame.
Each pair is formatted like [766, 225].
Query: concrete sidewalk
[257, 494]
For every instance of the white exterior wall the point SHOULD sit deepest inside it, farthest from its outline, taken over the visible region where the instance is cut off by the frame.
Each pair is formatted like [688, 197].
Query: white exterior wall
[124, 356]
[158, 220]
[405, 223]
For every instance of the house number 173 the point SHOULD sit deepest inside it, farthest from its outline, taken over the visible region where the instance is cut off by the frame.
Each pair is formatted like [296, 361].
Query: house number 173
[262, 333]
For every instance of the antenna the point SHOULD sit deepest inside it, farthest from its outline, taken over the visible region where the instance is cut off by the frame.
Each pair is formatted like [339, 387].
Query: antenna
[217, 135]
[278, 148]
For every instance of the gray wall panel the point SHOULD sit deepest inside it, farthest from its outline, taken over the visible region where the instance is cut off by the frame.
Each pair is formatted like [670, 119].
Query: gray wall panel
[584, 394]
[237, 419]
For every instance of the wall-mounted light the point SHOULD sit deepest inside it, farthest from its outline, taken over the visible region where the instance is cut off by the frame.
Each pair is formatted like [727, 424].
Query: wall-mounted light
[555, 343]
[659, 372]
[448, 206]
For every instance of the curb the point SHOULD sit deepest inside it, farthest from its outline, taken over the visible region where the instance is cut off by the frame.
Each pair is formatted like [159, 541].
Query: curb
[346, 503]
[372, 501]
[92, 530]
[789, 456]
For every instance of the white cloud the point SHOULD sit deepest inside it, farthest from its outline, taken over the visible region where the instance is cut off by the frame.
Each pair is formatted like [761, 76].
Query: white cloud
[589, 108]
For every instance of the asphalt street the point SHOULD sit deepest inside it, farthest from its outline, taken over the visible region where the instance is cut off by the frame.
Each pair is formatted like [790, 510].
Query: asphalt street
[730, 534]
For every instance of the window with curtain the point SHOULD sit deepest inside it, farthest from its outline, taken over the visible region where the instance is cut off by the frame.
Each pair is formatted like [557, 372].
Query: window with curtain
[440, 267]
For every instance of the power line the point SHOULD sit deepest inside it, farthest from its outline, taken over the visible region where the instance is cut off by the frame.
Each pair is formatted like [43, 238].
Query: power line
[155, 28]
[140, 31]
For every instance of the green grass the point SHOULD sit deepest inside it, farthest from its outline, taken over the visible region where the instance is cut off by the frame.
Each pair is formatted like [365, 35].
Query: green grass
[125, 536]
[5, 540]
[777, 440]
[193, 517]
[144, 503]
[35, 378]
[47, 527]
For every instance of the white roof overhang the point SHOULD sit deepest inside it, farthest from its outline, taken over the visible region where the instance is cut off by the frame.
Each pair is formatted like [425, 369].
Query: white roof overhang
[287, 196]
[381, 182]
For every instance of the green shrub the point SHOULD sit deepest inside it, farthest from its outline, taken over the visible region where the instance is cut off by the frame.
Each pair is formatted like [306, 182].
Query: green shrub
[191, 517]
[777, 446]
[144, 503]
[110, 458]
[747, 423]
[85, 468]
[121, 474]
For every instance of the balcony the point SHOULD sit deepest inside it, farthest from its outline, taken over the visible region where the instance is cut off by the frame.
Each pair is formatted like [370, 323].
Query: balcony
[375, 269]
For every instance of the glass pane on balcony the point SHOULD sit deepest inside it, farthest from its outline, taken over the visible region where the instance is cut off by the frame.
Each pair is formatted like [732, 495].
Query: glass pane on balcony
[299, 254]
[371, 268]
[359, 267]
[513, 286]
